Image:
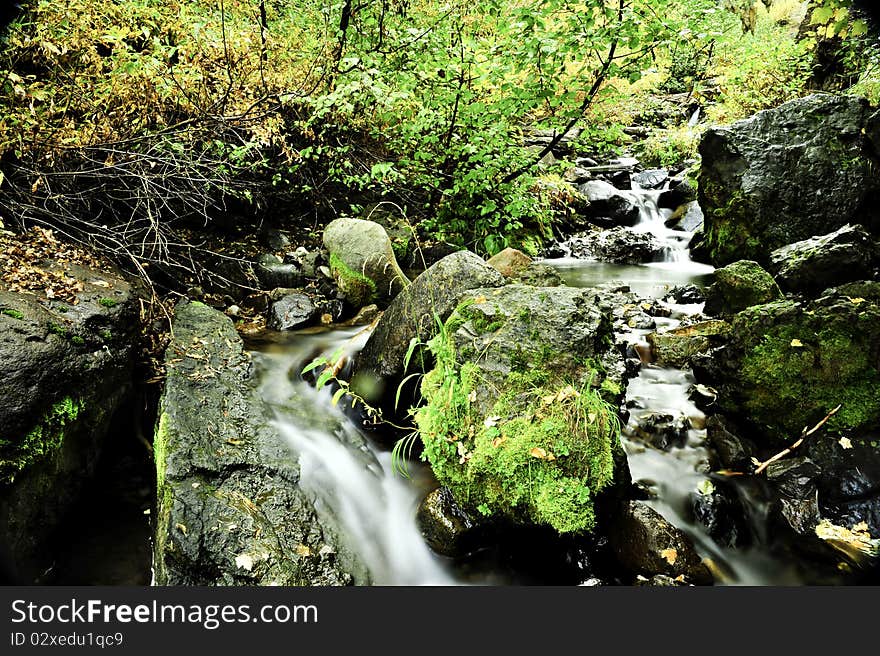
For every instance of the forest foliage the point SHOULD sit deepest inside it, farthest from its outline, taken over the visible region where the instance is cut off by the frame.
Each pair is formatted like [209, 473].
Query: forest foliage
[126, 123]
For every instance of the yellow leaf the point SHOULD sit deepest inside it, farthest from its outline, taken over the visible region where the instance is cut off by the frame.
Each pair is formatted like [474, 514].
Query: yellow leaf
[538, 452]
[303, 550]
[670, 555]
[796, 342]
[498, 441]
[856, 301]
[845, 443]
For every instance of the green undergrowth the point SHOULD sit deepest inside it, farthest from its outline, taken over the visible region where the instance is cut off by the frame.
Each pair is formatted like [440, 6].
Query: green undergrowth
[539, 454]
[42, 440]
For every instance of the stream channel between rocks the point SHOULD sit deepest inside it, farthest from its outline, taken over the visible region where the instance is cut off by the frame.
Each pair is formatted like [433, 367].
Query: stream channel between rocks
[352, 478]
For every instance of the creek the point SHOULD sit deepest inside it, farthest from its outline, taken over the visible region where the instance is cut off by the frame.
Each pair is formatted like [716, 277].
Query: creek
[351, 477]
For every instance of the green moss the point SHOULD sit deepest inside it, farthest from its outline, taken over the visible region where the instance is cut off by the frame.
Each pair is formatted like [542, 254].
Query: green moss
[15, 314]
[43, 439]
[107, 302]
[797, 373]
[160, 449]
[541, 452]
[56, 329]
[76, 339]
[359, 289]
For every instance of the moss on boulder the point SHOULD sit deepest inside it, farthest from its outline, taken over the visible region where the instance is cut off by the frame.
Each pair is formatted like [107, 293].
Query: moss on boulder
[738, 286]
[517, 422]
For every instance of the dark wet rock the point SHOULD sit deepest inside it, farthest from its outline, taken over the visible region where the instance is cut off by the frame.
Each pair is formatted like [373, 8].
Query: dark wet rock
[717, 507]
[65, 370]
[646, 544]
[786, 174]
[795, 481]
[815, 264]
[362, 261]
[687, 294]
[229, 509]
[272, 272]
[677, 347]
[849, 480]
[292, 311]
[523, 397]
[414, 315]
[607, 202]
[680, 192]
[539, 275]
[662, 430]
[686, 218]
[738, 286]
[650, 179]
[787, 364]
[617, 245]
[447, 529]
[731, 451]
[510, 262]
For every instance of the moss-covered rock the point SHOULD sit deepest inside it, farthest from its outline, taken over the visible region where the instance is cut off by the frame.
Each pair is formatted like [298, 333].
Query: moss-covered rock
[362, 262]
[677, 347]
[787, 174]
[517, 422]
[788, 364]
[65, 369]
[738, 286]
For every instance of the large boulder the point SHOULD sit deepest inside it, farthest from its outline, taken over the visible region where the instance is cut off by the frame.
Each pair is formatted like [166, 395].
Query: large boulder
[607, 205]
[617, 245]
[786, 174]
[362, 261]
[417, 314]
[517, 422]
[815, 264]
[738, 286]
[229, 510]
[678, 346]
[66, 366]
[787, 364]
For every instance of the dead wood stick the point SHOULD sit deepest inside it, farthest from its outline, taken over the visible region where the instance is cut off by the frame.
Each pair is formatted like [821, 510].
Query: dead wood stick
[806, 433]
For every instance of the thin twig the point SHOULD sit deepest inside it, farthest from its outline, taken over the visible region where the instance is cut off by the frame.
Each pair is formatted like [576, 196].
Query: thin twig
[762, 466]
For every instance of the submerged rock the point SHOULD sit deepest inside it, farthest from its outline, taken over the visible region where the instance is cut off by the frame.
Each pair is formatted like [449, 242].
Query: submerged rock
[648, 545]
[65, 369]
[717, 507]
[786, 174]
[362, 262]
[815, 264]
[738, 286]
[229, 510]
[514, 423]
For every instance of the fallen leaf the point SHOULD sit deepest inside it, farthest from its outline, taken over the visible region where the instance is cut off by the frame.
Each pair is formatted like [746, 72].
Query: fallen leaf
[845, 443]
[491, 421]
[180, 527]
[671, 555]
[498, 441]
[856, 300]
[538, 452]
[302, 550]
[796, 342]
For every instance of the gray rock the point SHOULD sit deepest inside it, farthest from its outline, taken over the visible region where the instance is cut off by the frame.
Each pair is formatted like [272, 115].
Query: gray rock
[415, 314]
[539, 275]
[687, 218]
[738, 286]
[617, 245]
[678, 346]
[646, 544]
[815, 264]
[292, 311]
[272, 272]
[362, 262]
[650, 179]
[787, 174]
[229, 510]
[65, 369]
[607, 202]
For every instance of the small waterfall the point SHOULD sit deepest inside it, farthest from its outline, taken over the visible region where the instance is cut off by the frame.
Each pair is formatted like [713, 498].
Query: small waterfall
[350, 478]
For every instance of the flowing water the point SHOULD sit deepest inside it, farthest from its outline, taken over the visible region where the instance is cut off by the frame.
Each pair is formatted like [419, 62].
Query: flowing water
[352, 478]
